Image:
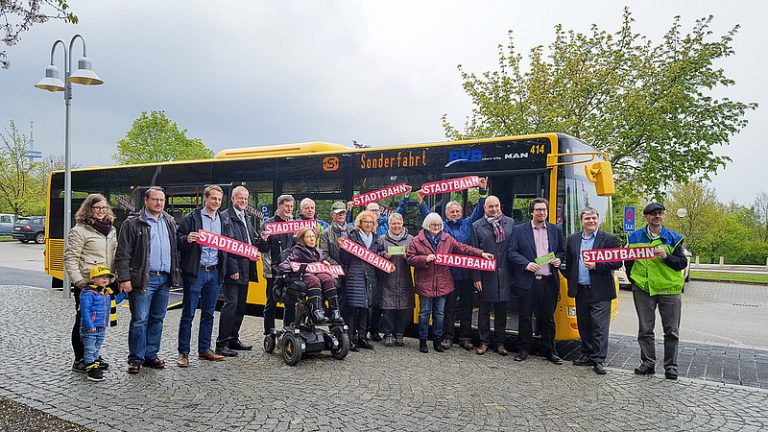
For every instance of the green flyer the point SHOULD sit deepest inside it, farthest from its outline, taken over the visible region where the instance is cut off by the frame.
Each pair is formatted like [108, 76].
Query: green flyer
[396, 250]
[545, 259]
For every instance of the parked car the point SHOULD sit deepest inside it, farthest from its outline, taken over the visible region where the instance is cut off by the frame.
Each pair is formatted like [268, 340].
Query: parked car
[27, 229]
[6, 224]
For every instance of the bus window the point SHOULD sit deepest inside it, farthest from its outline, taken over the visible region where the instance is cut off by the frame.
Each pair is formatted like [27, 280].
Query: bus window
[323, 192]
[515, 194]
[261, 197]
[412, 218]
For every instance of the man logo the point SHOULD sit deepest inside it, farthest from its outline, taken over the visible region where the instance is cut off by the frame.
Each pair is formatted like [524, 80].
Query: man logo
[330, 163]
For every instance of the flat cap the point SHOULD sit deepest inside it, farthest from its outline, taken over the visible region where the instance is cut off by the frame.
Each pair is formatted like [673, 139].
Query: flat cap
[653, 207]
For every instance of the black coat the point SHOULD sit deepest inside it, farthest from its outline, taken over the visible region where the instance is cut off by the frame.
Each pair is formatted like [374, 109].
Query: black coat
[190, 252]
[522, 250]
[360, 280]
[236, 263]
[602, 286]
[396, 288]
[497, 286]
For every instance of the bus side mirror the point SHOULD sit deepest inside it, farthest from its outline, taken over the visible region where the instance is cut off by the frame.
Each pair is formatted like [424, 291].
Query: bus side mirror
[601, 174]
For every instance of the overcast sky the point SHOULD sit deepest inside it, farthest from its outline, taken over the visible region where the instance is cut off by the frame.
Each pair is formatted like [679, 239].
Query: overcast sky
[248, 73]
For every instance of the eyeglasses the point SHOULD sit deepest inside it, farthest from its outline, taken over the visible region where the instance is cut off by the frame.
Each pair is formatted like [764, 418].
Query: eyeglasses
[435, 224]
[99, 208]
[539, 210]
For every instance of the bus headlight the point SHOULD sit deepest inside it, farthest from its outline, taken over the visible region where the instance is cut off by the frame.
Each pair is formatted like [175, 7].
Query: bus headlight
[571, 311]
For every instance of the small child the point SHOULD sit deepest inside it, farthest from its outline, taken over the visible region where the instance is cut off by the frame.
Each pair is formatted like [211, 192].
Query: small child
[97, 311]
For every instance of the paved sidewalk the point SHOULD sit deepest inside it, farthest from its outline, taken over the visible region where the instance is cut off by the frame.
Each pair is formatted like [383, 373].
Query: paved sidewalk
[389, 389]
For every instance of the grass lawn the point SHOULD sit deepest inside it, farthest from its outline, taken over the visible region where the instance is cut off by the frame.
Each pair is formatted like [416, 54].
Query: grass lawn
[718, 276]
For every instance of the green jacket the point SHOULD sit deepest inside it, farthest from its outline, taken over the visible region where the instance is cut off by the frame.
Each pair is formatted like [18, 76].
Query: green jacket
[658, 276]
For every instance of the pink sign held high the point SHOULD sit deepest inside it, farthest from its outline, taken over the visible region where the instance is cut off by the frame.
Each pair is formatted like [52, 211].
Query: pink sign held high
[378, 195]
[450, 185]
[271, 228]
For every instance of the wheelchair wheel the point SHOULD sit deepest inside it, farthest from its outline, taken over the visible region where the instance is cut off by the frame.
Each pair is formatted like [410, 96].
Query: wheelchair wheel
[291, 348]
[340, 351]
[269, 344]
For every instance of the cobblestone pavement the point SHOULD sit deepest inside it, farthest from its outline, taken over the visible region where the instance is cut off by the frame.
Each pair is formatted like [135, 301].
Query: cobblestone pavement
[389, 389]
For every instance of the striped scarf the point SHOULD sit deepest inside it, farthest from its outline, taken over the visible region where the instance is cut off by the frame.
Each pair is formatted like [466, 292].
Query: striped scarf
[498, 230]
[112, 308]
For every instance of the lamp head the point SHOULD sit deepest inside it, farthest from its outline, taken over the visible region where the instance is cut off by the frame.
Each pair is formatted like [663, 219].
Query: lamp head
[51, 82]
[84, 74]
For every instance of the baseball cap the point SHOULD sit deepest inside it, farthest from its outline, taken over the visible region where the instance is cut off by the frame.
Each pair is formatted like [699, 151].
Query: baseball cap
[338, 207]
[653, 207]
[101, 270]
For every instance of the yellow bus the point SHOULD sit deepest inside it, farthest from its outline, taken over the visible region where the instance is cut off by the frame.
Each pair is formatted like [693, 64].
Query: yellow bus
[561, 168]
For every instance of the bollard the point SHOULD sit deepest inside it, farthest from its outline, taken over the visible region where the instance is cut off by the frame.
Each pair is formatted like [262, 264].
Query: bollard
[722, 261]
[697, 261]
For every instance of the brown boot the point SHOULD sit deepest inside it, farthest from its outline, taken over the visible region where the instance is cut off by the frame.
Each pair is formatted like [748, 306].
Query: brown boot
[446, 344]
[501, 350]
[481, 349]
[467, 344]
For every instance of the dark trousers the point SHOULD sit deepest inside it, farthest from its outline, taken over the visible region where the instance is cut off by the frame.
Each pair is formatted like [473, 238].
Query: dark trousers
[357, 321]
[232, 313]
[499, 322]
[459, 302]
[374, 322]
[594, 318]
[289, 312]
[77, 343]
[394, 321]
[670, 310]
[541, 299]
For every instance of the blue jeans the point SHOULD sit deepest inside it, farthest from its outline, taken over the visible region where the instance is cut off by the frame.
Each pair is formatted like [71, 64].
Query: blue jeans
[203, 290]
[148, 309]
[434, 306]
[92, 344]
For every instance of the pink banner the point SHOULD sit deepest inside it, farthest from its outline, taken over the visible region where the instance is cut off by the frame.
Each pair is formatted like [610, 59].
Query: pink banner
[366, 255]
[378, 195]
[228, 245]
[465, 261]
[271, 228]
[319, 267]
[450, 185]
[618, 254]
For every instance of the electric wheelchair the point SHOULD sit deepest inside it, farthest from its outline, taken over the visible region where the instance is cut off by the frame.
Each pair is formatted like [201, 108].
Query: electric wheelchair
[307, 334]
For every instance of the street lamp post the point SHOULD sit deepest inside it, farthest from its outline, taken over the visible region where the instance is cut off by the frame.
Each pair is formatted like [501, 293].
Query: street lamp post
[85, 76]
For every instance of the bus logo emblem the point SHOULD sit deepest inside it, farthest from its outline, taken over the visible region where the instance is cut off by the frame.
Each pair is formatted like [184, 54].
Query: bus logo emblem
[330, 163]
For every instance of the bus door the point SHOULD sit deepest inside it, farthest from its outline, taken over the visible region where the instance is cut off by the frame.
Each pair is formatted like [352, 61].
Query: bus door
[515, 192]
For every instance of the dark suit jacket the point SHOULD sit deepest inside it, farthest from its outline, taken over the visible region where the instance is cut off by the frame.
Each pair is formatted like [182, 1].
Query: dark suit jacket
[522, 250]
[601, 278]
[497, 286]
[236, 263]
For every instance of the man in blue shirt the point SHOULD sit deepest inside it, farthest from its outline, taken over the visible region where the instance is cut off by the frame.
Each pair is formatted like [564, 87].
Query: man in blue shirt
[593, 287]
[203, 269]
[146, 271]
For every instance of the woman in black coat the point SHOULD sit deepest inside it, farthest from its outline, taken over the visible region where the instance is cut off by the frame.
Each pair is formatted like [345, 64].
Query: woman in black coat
[396, 288]
[360, 281]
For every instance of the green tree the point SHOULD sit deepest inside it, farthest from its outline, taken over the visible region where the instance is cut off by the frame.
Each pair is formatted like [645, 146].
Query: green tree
[650, 106]
[700, 226]
[155, 138]
[17, 16]
[20, 188]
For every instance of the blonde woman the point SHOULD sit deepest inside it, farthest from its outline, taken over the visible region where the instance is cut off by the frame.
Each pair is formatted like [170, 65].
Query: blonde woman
[91, 242]
[360, 281]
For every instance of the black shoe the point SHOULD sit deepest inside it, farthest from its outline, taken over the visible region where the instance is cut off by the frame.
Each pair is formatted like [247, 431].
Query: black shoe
[584, 361]
[103, 365]
[438, 345]
[95, 374]
[599, 368]
[555, 359]
[353, 347]
[375, 336]
[670, 374]
[399, 340]
[79, 366]
[389, 340]
[423, 346]
[226, 351]
[336, 317]
[318, 316]
[237, 345]
[365, 343]
[645, 370]
[521, 356]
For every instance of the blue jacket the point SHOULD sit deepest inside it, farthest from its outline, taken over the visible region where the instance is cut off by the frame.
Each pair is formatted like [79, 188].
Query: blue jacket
[461, 230]
[95, 306]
